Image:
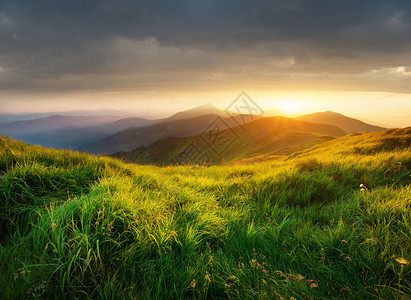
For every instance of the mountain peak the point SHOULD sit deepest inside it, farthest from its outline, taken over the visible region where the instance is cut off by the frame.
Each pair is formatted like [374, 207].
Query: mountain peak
[206, 108]
[330, 112]
[207, 105]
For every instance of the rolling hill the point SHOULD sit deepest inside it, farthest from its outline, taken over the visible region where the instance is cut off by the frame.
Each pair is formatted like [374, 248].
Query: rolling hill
[275, 135]
[173, 150]
[328, 222]
[132, 138]
[347, 124]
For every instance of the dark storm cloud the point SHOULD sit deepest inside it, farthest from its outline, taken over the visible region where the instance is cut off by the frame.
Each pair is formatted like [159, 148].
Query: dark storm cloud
[84, 44]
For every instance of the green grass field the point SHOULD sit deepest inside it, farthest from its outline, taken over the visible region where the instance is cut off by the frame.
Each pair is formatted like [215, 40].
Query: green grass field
[328, 222]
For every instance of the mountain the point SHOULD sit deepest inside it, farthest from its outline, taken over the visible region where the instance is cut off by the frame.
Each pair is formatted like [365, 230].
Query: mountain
[206, 109]
[347, 124]
[5, 118]
[68, 131]
[24, 128]
[69, 137]
[127, 123]
[134, 137]
[84, 113]
[270, 135]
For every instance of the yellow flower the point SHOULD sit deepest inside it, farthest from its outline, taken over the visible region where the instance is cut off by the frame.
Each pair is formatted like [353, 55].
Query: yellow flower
[402, 261]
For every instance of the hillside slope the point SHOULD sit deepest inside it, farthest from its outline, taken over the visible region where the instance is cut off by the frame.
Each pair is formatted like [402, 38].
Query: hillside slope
[132, 138]
[347, 124]
[330, 222]
[275, 135]
[174, 150]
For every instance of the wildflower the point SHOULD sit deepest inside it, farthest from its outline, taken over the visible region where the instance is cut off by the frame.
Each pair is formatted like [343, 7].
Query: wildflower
[253, 263]
[299, 277]
[193, 284]
[402, 261]
[313, 285]
[207, 277]
[363, 188]
[231, 277]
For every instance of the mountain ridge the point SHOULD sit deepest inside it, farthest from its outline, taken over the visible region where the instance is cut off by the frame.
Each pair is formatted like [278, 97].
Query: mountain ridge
[203, 109]
[347, 124]
[53, 122]
[276, 135]
[131, 138]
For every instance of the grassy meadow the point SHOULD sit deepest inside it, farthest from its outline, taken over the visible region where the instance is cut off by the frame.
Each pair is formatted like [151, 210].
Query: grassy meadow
[329, 222]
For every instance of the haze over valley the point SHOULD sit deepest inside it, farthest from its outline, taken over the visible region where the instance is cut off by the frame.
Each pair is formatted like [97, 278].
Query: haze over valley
[110, 134]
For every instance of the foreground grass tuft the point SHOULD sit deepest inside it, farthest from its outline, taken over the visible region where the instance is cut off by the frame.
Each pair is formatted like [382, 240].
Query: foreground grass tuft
[332, 221]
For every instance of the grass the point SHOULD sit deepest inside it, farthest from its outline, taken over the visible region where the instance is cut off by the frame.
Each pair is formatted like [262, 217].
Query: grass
[329, 222]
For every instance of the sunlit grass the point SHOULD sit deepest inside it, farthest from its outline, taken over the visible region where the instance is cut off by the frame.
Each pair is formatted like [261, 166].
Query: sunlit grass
[333, 221]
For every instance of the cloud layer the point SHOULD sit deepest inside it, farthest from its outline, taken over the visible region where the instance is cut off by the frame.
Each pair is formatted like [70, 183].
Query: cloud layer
[142, 45]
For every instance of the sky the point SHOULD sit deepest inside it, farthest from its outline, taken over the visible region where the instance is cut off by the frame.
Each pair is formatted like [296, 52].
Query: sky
[301, 56]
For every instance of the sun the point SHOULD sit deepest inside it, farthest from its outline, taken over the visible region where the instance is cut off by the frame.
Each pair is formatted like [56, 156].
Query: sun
[290, 107]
